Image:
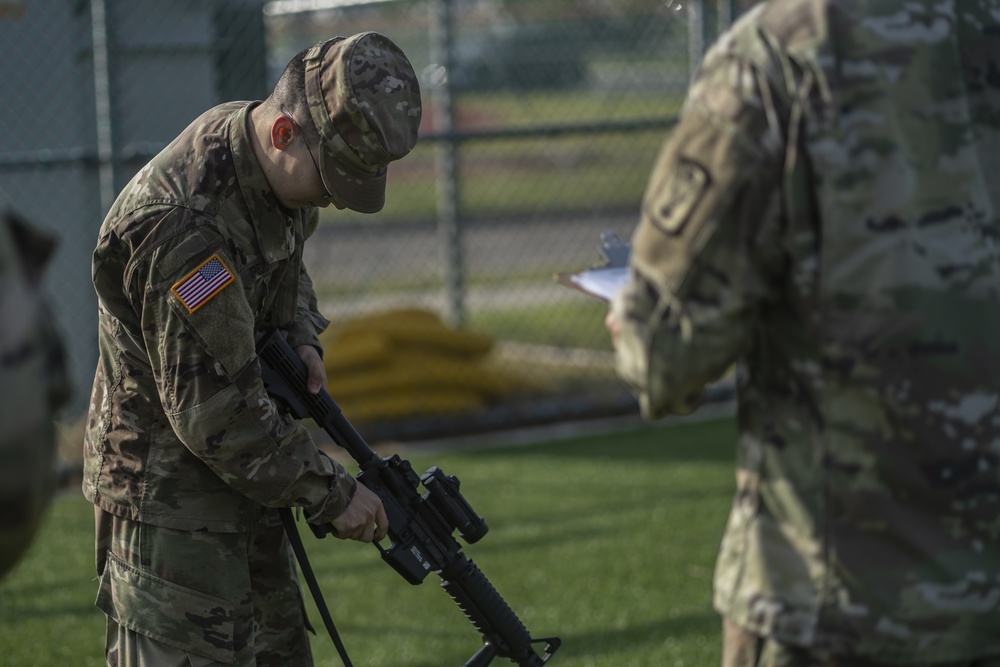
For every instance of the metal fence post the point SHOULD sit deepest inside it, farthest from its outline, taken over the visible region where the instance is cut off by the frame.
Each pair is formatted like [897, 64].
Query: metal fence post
[107, 152]
[449, 227]
[725, 12]
[696, 35]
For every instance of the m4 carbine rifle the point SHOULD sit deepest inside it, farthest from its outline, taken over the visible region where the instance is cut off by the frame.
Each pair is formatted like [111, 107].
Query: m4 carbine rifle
[420, 525]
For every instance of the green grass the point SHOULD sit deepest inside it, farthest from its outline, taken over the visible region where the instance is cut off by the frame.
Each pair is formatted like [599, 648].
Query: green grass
[47, 615]
[607, 541]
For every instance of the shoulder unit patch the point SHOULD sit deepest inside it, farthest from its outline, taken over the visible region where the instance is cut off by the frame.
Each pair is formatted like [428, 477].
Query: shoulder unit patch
[675, 200]
[196, 288]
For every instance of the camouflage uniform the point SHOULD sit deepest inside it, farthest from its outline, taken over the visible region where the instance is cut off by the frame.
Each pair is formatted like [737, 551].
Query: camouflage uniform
[825, 216]
[185, 454]
[34, 381]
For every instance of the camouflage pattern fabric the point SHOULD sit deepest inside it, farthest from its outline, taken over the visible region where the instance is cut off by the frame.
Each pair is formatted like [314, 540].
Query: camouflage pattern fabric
[127, 648]
[181, 432]
[194, 262]
[825, 217]
[230, 598]
[744, 649]
[364, 99]
[34, 384]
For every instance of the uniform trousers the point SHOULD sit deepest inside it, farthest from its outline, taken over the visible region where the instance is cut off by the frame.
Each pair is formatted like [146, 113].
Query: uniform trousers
[741, 648]
[177, 597]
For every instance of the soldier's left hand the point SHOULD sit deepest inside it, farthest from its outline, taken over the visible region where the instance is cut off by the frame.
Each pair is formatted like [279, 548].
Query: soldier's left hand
[314, 364]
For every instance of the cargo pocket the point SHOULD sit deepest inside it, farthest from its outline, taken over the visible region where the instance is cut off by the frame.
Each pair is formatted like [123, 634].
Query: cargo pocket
[175, 615]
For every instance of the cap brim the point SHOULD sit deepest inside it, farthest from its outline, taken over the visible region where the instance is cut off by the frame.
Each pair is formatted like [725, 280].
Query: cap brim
[359, 191]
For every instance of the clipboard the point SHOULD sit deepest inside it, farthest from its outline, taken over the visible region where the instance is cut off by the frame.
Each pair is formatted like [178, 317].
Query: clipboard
[605, 280]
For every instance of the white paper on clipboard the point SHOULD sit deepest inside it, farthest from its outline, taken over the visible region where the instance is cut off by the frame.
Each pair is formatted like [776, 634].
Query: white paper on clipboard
[606, 280]
[601, 283]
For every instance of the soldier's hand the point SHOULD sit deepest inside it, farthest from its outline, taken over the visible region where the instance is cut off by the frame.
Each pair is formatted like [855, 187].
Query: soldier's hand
[613, 320]
[314, 364]
[364, 519]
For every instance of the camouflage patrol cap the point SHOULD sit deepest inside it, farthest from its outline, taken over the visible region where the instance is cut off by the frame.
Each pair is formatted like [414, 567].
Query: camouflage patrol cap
[365, 101]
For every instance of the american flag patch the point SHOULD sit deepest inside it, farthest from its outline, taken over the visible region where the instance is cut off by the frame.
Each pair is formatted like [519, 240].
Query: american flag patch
[197, 287]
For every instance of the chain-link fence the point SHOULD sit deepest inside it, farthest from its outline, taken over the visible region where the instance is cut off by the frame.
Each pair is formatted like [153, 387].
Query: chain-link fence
[541, 122]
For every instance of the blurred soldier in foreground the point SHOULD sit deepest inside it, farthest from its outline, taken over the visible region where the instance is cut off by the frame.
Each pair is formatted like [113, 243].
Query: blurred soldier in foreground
[826, 216]
[34, 384]
[186, 456]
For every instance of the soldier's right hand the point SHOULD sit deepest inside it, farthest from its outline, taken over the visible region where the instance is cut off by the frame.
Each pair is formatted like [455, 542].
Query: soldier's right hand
[364, 519]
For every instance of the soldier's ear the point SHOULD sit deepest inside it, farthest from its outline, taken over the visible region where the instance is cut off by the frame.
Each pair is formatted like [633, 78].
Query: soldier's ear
[282, 132]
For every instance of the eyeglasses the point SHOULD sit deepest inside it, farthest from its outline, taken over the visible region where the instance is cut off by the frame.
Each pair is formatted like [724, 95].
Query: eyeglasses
[326, 194]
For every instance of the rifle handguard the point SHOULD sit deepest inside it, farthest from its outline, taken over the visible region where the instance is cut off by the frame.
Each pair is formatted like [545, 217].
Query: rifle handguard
[420, 526]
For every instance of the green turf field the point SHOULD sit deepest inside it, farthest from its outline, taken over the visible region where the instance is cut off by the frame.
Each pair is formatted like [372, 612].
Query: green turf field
[607, 541]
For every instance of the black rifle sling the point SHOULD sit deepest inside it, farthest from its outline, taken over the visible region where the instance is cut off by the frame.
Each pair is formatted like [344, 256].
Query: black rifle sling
[300, 555]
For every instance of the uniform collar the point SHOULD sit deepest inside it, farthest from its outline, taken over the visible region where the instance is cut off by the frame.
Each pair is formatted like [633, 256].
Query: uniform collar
[270, 219]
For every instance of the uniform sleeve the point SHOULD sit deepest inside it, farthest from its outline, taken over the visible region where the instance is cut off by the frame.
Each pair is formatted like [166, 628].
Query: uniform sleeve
[309, 323]
[702, 252]
[198, 330]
